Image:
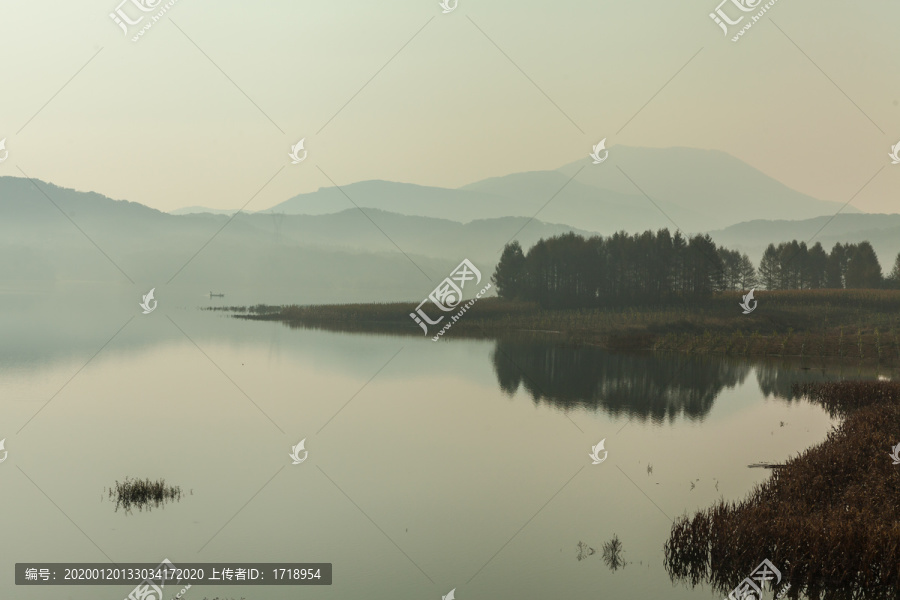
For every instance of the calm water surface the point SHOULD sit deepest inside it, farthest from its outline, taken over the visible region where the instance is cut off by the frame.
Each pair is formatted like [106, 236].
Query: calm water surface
[432, 466]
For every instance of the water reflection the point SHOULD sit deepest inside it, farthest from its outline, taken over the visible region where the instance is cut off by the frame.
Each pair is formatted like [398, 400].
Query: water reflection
[303, 376]
[658, 387]
[645, 386]
[776, 378]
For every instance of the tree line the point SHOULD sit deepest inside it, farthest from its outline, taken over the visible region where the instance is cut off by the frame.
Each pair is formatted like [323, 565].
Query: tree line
[571, 271]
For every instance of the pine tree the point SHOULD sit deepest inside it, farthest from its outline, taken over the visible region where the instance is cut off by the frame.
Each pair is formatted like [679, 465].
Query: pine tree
[510, 274]
[818, 262]
[769, 268]
[863, 269]
[894, 278]
[836, 267]
[747, 278]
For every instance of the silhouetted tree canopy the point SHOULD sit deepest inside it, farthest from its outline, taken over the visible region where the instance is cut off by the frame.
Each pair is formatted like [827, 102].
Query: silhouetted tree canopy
[793, 266]
[569, 271]
[863, 269]
[893, 280]
[510, 274]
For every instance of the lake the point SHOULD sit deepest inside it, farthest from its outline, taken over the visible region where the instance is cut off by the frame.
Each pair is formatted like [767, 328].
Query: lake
[432, 466]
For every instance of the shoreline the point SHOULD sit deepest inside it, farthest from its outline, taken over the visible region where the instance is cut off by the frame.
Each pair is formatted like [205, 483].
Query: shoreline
[828, 518]
[858, 326]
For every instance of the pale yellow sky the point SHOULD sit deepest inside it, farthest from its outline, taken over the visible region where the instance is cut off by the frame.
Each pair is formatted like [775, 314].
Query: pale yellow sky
[809, 95]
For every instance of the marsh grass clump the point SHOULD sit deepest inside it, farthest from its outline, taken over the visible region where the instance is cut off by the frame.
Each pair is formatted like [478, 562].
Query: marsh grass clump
[845, 397]
[143, 494]
[582, 551]
[829, 519]
[612, 553]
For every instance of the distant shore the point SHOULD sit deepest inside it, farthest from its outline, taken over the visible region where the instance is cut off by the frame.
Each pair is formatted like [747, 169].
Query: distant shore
[845, 325]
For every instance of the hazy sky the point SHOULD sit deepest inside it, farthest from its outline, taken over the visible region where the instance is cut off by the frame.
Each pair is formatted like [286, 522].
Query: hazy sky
[158, 122]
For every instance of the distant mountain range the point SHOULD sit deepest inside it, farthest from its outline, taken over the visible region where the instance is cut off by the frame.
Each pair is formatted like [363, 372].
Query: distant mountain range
[191, 210]
[635, 189]
[57, 234]
[752, 237]
[319, 247]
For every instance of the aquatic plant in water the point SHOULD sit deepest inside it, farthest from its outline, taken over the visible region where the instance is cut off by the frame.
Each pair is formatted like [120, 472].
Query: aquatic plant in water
[143, 494]
[612, 553]
[582, 551]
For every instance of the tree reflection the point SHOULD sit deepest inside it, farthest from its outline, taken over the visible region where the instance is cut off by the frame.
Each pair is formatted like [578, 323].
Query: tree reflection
[642, 386]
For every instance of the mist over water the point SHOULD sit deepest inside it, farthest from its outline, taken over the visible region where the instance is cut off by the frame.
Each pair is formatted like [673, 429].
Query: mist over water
[622, 182]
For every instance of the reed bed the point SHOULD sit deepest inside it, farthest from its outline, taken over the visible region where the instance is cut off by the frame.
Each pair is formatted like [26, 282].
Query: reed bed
[835, 325]
[829, 519]
[612, 553]
[143, 494]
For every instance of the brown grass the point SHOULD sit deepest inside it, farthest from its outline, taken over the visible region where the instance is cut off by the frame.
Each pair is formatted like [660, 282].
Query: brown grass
[829, 519]
[850, 326]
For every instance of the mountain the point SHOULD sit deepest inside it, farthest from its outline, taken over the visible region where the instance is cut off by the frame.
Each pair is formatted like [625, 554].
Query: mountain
[752, 237]
[556, 197]
[716, 188]
[519, 195]
[48, 233]
[190, 210]
[695, 190]
[403, 198]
